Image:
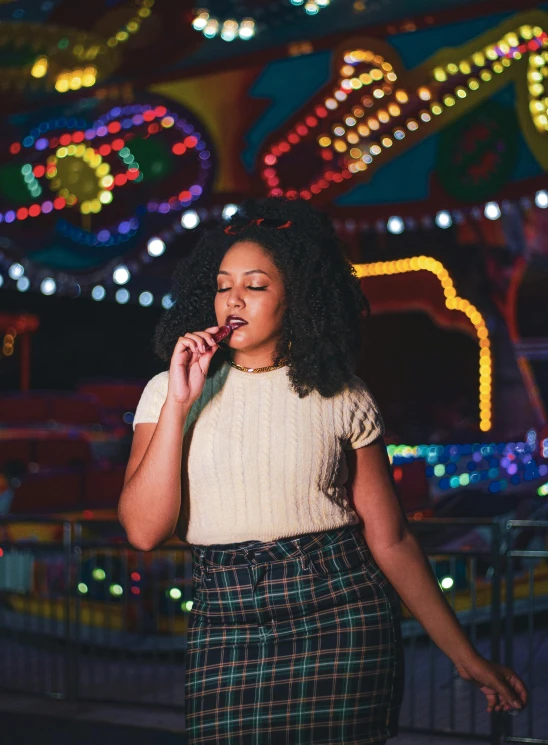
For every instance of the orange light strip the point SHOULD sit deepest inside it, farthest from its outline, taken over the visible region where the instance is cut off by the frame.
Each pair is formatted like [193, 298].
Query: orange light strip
[453, 302]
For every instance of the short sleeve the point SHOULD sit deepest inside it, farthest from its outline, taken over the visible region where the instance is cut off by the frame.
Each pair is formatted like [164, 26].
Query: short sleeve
[152, 399]
[364, 423]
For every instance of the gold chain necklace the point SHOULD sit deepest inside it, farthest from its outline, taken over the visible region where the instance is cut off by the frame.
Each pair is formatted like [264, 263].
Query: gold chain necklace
[255, 369]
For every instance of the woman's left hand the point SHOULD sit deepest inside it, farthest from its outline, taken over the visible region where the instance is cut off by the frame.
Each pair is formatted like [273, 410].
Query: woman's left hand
[503, 688]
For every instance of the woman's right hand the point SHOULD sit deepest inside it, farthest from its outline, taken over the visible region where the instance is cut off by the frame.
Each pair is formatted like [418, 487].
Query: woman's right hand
[189, 365]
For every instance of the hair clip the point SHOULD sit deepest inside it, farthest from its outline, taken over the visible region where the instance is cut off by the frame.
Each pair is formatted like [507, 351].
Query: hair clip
[234, 230]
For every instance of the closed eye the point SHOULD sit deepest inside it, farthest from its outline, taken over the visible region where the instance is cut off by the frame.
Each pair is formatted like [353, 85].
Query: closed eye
[249, 288]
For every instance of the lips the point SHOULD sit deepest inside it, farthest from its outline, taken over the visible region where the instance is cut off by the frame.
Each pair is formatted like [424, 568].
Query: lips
[235, 321]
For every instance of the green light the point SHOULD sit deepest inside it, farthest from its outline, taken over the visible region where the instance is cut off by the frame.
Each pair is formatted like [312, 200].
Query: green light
[447, 583]
[464, 479]
[542, 491]
[439, 470]
[83, 588]
[175, 593]
[187, 606]
[27, 168]
[124, 152]
[98, 574]
[116, 590]
[454, 482]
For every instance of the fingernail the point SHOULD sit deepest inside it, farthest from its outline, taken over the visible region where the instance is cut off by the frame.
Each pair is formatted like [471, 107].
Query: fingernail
[517, 704]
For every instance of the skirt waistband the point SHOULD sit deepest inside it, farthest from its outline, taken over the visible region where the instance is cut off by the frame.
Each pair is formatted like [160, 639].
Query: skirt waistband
[282, 548]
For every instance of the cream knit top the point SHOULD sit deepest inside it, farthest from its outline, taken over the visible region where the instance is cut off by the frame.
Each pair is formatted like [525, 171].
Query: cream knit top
[260, 463]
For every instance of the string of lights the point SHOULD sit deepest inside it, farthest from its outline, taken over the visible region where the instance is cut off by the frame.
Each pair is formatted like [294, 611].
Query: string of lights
[497, 466]
[230, 29]
[68, 59]
[453, 302]
[356, 133]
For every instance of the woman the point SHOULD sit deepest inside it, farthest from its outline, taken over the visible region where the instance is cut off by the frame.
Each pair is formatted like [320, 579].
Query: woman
[268, 459]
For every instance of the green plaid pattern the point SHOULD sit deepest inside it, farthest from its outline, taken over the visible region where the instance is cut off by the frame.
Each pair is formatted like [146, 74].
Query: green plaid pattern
[293, 642]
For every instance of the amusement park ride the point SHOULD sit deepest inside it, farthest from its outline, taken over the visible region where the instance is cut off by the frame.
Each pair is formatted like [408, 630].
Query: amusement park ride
[110, 176]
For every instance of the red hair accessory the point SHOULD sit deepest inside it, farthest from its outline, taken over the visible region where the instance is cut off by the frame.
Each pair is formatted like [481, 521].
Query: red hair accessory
[234, 229]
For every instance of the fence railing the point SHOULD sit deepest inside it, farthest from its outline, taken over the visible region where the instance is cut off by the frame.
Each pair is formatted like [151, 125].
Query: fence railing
[83, 616]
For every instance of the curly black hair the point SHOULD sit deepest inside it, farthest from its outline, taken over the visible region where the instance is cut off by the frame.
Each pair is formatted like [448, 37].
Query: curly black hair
[324, 300]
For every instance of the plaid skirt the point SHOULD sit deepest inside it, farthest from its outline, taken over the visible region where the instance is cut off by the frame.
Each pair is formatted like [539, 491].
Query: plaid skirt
[295, 641]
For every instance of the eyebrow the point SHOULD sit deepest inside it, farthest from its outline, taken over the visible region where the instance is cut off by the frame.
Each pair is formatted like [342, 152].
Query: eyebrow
[251, 271]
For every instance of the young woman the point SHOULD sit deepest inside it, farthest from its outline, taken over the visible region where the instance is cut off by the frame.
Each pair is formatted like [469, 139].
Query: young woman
[267, 457]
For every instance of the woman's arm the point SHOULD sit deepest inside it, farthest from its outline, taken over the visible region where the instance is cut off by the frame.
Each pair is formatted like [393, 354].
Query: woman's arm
[150, 502]
[406, 566]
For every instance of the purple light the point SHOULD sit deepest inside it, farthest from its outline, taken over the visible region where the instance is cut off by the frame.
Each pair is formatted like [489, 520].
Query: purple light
[504, 462]
[103, 235]
[196, 190]
[41, 144]
[543, 470]
[127, 123]
[152, 206]
[9, 216]
[138, 119]
[123, 227]
[102, 131]
[90, 134]
[164, 208]
[116, 111]
[1, 217]
[477, 456]
[512, 469]
[47, 207]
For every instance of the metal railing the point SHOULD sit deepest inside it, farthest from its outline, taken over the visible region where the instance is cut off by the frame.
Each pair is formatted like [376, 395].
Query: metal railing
[83, 616]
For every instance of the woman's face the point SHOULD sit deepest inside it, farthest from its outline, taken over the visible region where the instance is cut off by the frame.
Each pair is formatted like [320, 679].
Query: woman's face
[251, 287]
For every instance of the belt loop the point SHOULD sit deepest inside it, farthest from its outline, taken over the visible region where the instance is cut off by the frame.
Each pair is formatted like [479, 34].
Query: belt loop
[303, 556]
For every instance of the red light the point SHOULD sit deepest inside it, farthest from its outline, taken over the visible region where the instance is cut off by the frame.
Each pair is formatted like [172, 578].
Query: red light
[302, 130]
[88, 514]
[269, 172]
[273, 181]
[15, 148]
[190, 141]
[148, 116]
[135, 591]
[160, 111]
[114, 127]
[337, 178]
[54, 142]
[22, 213]
[1, 551]
[293, 138]
[305, 194]
[315, 189]
[398, 474]
[34, 210]
[311, 121]
[59, 203]
[179, 148]
[185, 196]
[118, 144]
[135, 576]
[270, 160]
[321, 112]
[276, 192]
[327, 154]
[77, 136]
[65, 140]
[291, 194]
[285, 147]
[105, 150]
[39, 171]
[120, 179]
[153, 128]
[346, 174]
[132, 174]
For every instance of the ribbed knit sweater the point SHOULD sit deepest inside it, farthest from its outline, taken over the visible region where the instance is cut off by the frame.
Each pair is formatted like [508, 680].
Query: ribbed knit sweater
[260, 463]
